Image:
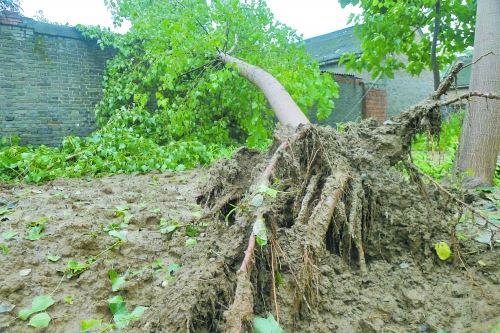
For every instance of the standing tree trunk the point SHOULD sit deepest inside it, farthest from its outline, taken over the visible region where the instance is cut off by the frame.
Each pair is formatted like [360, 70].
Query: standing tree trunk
[435, 65]
[480, 139]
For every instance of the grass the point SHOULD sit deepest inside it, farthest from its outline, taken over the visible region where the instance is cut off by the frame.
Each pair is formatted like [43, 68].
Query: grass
[435, 156]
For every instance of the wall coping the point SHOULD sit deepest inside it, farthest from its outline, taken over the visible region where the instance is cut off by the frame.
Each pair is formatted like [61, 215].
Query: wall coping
[15, 19]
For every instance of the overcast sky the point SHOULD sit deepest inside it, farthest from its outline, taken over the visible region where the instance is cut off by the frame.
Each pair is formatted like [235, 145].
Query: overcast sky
[310, 18]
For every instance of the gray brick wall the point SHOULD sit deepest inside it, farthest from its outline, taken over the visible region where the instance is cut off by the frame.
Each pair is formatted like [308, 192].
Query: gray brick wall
[402, 92]
[50, 81]
[349, 105]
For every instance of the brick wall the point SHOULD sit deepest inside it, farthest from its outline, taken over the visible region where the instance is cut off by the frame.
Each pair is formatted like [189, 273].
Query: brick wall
[402, 92]
[50, 81]
[375, 104]
[349, 105]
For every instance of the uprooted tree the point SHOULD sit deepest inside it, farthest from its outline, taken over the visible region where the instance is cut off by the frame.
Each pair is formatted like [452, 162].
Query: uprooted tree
[316, 195]
[316, 201]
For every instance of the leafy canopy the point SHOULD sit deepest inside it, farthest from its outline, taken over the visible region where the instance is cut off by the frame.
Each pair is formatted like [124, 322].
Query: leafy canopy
[12, 5]
[389, 28]
[166, 83]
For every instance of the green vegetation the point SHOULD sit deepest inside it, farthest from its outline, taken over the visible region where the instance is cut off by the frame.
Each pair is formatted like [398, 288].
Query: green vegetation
[168, 102]
[435, 156]
[388, 29]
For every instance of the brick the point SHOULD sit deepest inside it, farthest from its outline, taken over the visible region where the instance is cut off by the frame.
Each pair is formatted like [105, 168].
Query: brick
[46, 71]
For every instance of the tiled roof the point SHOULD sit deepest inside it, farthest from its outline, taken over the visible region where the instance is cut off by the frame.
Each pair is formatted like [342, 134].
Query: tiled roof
[331, 46]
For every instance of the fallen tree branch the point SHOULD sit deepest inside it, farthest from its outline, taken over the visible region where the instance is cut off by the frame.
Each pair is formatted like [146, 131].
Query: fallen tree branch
[451, 196]
[469, 95]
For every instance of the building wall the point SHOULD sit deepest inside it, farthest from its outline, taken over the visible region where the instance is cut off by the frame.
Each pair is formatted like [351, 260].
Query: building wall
[50, 81]
[405, 90]
[348, 106]
[375, 104]
[402, 92]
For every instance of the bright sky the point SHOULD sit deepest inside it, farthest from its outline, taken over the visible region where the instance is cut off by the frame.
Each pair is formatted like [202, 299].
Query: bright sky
[310, 18]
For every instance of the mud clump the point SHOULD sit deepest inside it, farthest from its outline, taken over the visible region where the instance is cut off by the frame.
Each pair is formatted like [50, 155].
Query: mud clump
[351, 236]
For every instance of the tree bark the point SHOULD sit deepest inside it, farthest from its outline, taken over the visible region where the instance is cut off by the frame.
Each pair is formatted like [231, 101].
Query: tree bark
[435, 65]
[480, 139]
[280, 100]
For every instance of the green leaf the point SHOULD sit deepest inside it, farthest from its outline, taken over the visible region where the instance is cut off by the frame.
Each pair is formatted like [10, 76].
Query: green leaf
[117, 305]
[41, 303]
[257, 200]
[9, 234]
[278, 279]
[269, 325]
[38, 304]
[496, 328]
[191, 242]
[25, 313]
[53, 258]
[68, 298]
[86, 324]
[191, 232]
[123, 319]
[116, 281]
[443, 250]
[487, 189]
[5, 249]
[40, 320]
[116, 234]
[172, 267]
[267, 190]
[260, 231]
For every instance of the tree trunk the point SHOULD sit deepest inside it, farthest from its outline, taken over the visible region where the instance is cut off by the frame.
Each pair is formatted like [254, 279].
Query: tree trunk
[480, 139]
[280, 100]
[435, 65]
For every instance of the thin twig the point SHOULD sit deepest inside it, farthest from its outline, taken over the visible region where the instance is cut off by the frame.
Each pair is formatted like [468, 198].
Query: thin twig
[481, 57]
[467, 96]
[457, 249]
[474, 211]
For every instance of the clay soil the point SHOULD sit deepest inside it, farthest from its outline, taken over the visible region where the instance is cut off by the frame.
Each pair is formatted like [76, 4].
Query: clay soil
[405, 288]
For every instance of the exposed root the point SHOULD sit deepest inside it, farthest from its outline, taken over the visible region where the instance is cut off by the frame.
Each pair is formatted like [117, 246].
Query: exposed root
[332, 196]
[240, 314]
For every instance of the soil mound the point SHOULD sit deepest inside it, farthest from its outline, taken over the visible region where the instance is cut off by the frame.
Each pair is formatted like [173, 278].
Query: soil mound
[351, 237]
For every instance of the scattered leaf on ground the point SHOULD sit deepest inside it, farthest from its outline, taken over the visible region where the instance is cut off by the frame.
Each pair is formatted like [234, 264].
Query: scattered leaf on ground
[116, 281]
[443, 250]
[40, 320]
[24, 272]
[269, 325]
[191, 242]
[9, 234]
[116, 234]
[40, 303]
[53, 258]
[86, 324]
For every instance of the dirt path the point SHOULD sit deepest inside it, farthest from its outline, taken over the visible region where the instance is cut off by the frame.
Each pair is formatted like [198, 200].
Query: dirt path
[122, 223]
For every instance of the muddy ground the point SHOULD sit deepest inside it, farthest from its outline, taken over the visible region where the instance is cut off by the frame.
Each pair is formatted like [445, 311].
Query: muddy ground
[406, 288]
